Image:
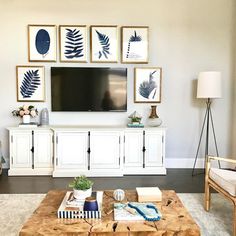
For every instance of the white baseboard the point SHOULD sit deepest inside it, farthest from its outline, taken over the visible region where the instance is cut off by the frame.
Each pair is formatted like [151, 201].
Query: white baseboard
[183, 163]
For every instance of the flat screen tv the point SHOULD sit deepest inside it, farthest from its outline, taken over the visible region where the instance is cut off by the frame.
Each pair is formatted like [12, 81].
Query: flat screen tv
[88, 89]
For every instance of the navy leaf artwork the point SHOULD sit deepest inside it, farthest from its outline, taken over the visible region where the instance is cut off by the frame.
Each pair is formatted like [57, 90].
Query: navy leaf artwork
[30, 83]
[104, 41]
[74, 44]
[148, 87]
[42, 42]
[133, 38]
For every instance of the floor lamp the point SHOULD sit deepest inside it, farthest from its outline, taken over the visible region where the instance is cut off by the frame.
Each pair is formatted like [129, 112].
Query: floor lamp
[208, 87]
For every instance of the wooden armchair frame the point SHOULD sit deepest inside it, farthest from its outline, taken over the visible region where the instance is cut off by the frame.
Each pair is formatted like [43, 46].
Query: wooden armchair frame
[210, 183]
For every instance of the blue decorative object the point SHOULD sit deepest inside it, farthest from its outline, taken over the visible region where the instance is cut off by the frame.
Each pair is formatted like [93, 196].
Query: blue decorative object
[148, 211]
[30, 83]
[74, 44]
[148, 86]
[90, 204]
[42, 42]
[104, 41]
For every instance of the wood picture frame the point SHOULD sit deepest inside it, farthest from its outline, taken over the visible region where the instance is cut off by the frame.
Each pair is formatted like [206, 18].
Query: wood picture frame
[42, 45]
[134, 44]
[103, 43]
[73, 43]
[30, 83]
[147, 84]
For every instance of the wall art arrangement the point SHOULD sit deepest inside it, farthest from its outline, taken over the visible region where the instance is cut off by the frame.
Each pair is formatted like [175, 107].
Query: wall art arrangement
[134, 44]
[73, 43]
[147, 85]
[42, 42]
[103, 43]
[30, 83]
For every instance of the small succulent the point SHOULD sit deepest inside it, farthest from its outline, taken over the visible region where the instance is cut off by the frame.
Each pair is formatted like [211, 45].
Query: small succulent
[81, 183]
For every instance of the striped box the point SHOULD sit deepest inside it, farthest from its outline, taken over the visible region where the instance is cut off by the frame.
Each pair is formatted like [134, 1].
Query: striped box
[68, 212]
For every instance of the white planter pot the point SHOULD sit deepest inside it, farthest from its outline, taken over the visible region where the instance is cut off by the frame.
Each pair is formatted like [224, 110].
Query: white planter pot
[82, 194]
[26, 119]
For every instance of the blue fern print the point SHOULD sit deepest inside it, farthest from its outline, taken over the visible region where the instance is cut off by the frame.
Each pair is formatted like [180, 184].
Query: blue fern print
[133, 38]
[30, 83]
[104, 41]
[147, 86]
[74, 44]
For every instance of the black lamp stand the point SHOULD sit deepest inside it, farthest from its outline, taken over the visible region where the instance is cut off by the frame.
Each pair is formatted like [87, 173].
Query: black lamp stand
[207, 121]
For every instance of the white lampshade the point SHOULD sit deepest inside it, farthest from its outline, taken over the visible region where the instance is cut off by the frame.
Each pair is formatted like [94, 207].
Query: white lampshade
[209, 84]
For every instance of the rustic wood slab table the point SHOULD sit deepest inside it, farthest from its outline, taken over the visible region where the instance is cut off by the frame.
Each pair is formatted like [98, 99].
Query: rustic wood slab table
[175, 219]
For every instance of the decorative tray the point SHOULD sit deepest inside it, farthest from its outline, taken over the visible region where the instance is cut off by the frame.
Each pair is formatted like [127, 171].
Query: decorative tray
[72, 208]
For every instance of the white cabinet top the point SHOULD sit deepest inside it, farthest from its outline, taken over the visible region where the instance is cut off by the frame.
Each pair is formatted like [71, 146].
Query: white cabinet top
[83, 127]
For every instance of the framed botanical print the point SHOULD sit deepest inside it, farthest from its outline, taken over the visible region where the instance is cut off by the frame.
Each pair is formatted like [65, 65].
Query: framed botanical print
[103, 43]
[73, 43]
[147, 85]
[42, 43]
[134, 44]
[30, 83]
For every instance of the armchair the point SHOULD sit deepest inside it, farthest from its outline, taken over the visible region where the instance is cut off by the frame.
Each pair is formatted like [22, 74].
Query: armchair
[223, 181]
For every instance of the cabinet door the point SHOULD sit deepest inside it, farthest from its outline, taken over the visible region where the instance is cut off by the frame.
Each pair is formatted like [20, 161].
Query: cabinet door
[154, 148]
[133, 149]
[43, 149]
[72, 150]
[21, 145]
[105, 150]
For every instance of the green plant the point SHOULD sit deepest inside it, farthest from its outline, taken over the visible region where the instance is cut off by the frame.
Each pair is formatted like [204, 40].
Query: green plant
[81, 183]
[135, 119]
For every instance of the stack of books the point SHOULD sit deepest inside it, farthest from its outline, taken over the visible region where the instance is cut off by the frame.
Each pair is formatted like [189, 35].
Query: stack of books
[135, 125]
[149, 194]
[28, 125]
[73, 208]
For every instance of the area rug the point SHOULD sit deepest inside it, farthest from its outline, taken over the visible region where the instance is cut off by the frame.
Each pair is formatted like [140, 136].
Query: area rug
[15, 209]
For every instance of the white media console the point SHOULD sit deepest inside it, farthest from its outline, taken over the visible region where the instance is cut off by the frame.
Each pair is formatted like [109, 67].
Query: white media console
[69, 151]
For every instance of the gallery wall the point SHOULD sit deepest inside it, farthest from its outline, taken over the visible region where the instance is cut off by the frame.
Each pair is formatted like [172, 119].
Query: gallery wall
[186, 37]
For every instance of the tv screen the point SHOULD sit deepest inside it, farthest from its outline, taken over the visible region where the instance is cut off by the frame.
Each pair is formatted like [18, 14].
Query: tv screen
[88, 89]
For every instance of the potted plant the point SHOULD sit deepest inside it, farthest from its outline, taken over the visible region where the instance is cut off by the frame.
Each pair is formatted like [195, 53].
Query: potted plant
[82, 187]
[26, 112]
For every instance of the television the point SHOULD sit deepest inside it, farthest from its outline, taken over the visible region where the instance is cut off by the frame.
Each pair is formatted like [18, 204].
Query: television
[88, 89]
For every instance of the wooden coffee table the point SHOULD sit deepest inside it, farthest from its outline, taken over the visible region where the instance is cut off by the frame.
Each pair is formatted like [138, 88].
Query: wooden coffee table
[175, 219]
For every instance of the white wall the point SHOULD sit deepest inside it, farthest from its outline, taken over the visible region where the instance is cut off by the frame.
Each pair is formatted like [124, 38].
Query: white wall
[186, 37]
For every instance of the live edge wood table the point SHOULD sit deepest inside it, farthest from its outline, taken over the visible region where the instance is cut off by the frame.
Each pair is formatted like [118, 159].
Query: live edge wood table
[175, 219]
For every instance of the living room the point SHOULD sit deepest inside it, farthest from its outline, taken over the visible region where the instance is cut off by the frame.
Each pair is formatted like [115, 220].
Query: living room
[183, 39]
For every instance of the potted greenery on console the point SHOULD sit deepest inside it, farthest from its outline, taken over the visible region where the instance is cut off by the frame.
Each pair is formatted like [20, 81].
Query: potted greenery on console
[82, 187]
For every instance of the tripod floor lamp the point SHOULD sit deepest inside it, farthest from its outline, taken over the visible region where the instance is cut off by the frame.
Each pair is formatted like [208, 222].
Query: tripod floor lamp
[208, 87]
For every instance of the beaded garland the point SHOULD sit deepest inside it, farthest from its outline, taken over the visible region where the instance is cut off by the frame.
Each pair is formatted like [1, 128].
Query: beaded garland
[141, 211]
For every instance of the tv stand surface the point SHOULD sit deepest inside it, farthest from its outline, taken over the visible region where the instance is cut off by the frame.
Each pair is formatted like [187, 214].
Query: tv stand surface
[68, 151]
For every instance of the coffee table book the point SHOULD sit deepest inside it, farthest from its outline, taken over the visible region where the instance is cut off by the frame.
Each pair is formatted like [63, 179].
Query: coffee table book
[149, 194]
[72, 208]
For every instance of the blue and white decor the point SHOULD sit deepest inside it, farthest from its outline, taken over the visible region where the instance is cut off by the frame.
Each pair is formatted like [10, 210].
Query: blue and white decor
[42, 43]
[134, 45]
[103, 43]
[147, 85]
[30, 83]
[73, 43]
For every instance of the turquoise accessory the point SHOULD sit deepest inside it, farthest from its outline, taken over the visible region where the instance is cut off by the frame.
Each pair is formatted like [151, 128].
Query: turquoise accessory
[147, 210]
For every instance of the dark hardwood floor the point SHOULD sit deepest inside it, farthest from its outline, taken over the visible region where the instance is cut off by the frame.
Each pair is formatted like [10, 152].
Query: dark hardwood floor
[180, 180]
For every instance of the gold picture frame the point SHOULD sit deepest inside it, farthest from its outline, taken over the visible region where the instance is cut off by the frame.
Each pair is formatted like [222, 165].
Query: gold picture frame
[42, 43]
[73, 43]
[147, 84]
[30, 83]
[134, 44]
[104, 43]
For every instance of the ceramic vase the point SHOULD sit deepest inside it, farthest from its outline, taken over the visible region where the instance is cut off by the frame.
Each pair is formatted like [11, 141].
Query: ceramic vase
[154, 119]
[82, 194]
[26, 119]
[44, 117]
[90, 204]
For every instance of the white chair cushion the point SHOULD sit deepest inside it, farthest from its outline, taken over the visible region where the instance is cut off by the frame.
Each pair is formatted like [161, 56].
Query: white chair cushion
[226, 179]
